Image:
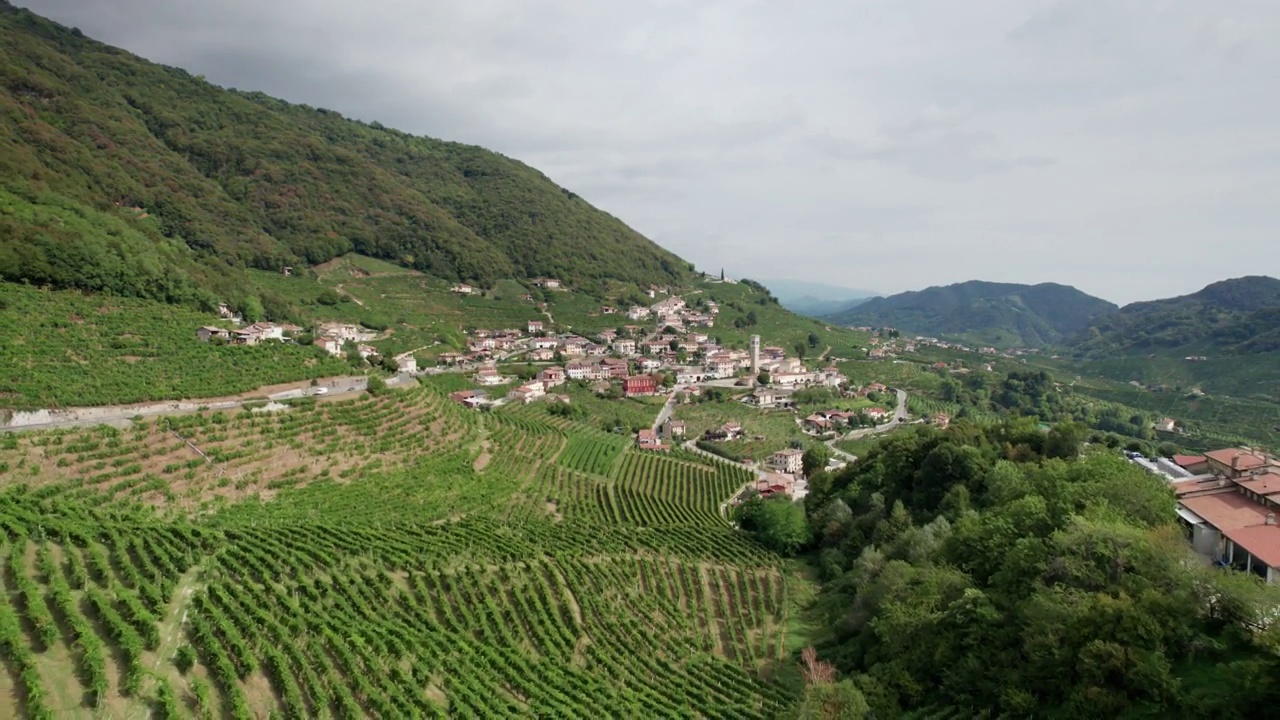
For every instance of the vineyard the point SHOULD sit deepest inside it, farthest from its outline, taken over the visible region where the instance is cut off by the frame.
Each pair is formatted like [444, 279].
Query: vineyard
[389, 557]
[65, 349]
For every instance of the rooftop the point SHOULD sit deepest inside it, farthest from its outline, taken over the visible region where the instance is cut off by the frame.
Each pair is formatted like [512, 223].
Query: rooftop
[1199, 484]
[1227, 511]
[1237, 458]
[1261, 541]
[1267, 483]
[1187, 460]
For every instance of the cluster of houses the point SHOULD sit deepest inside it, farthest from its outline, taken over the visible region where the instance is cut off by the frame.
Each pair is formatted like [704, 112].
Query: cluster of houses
[254, 334]
[672, 431]
[673, 343]
[333, 338]
[1228, 502]
[883, 345]
[251, 334]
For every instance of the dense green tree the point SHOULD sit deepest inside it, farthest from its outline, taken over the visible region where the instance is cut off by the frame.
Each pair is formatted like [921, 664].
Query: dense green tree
[1064, 440]
[965, 569]
[815, 459]
[779, 523]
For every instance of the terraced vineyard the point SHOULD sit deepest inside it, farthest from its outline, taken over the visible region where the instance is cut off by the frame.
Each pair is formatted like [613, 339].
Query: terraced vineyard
[392, 557]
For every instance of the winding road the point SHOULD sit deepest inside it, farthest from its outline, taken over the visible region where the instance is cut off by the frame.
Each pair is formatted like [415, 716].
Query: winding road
[899, 419]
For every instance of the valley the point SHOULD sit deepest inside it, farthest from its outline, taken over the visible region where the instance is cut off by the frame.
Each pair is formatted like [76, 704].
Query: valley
[309, 417]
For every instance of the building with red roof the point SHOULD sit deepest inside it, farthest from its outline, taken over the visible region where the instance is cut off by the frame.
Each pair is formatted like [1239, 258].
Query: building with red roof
[639, 385]
[1235, 462]
[1234, 523]
[1192, 463]
[648, 440]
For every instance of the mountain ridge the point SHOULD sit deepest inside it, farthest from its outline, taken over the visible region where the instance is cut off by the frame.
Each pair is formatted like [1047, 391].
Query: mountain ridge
[988, 312]
[1236, 316]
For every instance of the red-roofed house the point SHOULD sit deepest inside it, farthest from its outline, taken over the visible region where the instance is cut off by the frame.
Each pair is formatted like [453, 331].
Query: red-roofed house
[1235, 462]
[1260, 487]
[639, 385]
[1232, 528]
[1192, 463]
[1261, 543]
[648, 440]
[551, 376]
[1226, 511]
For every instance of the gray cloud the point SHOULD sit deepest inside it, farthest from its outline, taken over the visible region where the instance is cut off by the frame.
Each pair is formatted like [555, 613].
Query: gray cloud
[1126, 147]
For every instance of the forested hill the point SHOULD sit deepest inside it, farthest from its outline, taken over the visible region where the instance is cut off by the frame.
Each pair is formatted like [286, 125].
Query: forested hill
[122, 175]
[1003, 571]
[995, 313]
[1239, 316]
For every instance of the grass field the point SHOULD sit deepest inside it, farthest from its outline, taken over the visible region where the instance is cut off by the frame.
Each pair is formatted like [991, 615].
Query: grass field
[394, 557]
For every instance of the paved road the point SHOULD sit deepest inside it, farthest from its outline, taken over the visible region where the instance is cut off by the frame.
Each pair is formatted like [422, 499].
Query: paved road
[847, 457]
[667, 408]
[122, 415]
[899, 419]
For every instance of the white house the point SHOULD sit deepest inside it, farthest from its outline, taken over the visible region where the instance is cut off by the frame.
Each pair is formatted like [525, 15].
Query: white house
[689, 375]
[266, 331]
[333, 346]
[624, 346]
[528, 392]
[790, 378]
[720, 369]
[488, 375]
[638, 312]
[407, 364]
[535, 326]
[875, 413]
[790, 460]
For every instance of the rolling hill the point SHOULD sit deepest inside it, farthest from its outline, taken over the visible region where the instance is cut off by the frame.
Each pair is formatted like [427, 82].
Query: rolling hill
[1235, 317]
[994, 313]
[125, 176]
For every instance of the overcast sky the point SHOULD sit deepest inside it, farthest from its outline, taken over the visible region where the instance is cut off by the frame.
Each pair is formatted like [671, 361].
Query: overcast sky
[1128, 147]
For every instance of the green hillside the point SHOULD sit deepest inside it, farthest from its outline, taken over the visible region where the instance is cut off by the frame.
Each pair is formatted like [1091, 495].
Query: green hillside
[1240, 316]
[122, 175]
[1003, 314]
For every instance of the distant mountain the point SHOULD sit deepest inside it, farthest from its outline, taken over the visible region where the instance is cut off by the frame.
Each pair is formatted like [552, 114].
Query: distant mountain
[815, 299]
[991, 313]
[1233, 317]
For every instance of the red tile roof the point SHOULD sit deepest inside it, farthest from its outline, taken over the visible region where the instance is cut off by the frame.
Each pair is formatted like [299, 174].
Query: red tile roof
[1267, 483]
[1237, 459]
[1186, 487]
[1261, 541]
[1227, 511]
[1184, 461]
